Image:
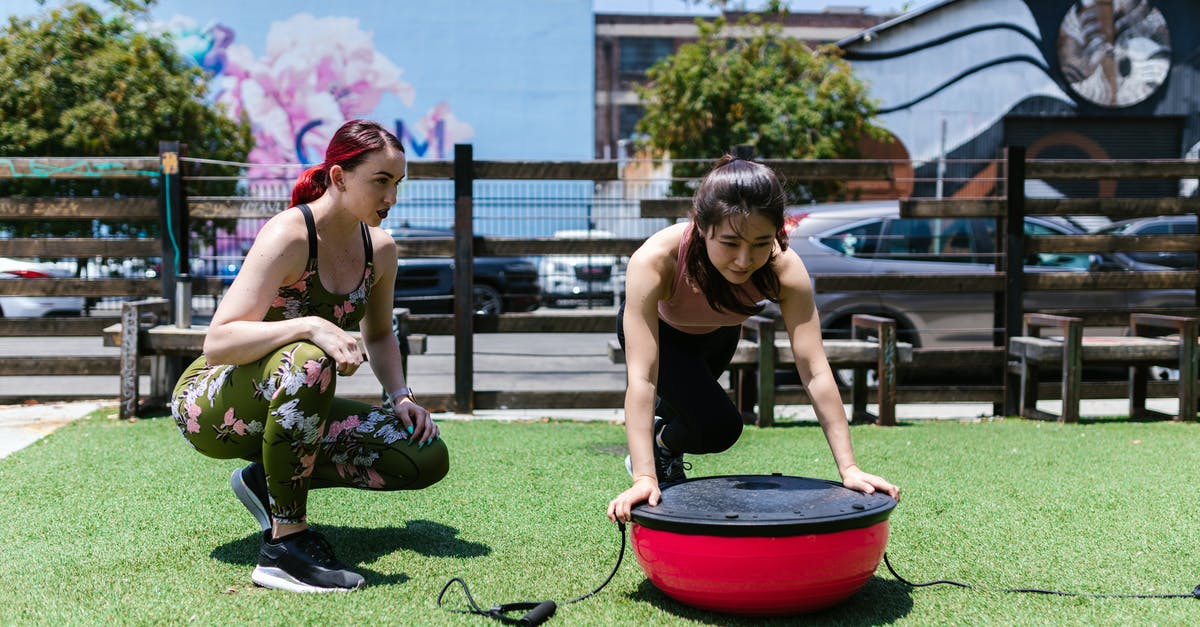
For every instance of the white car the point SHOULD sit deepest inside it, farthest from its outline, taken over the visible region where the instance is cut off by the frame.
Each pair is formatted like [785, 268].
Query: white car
[568, 280]
[35, 306]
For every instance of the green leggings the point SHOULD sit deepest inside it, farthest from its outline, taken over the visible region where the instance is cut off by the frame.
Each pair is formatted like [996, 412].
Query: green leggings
[282, 410]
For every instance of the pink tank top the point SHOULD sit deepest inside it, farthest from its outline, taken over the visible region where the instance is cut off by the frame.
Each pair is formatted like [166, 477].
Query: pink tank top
[688, 310]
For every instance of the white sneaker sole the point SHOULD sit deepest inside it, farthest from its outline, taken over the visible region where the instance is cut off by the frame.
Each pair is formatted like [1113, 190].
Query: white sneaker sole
[249, 500]
[277, 579]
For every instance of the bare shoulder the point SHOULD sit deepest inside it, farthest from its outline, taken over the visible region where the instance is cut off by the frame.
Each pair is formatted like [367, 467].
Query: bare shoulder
[285, 227]
[660, 248]
[652, 268]
[382, 243]
[791, 271]
[281, 242]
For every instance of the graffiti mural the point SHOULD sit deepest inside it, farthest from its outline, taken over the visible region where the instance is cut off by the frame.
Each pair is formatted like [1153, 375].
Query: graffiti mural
[314, 75]
[959, 80]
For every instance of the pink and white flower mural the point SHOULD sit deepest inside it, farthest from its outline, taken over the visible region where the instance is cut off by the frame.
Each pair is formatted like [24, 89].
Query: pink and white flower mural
[315, 74]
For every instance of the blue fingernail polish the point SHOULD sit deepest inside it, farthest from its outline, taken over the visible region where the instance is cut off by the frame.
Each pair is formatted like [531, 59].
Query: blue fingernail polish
[410, 429]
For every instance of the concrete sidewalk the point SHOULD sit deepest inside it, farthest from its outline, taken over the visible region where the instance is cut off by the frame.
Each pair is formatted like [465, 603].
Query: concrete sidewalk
[22, 425]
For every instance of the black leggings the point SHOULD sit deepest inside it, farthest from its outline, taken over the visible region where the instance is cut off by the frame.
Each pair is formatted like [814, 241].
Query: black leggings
[698, 413]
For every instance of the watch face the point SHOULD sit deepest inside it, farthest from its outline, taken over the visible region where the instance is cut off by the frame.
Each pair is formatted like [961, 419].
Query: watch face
[1114, 53]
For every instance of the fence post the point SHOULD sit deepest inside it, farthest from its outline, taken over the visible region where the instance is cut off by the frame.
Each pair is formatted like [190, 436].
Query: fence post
[173, 217]
[464, 278]
[1014, 265]
[743, 151]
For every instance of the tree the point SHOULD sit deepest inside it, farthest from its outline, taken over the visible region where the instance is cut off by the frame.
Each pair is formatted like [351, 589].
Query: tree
[751, 85]
[84, 83]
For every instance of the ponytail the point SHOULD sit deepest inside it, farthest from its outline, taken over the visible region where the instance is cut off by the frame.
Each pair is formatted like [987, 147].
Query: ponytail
[349, 147]
[311, 184]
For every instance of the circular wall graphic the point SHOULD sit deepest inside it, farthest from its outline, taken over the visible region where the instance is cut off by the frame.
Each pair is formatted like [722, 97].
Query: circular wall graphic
[1114, 53]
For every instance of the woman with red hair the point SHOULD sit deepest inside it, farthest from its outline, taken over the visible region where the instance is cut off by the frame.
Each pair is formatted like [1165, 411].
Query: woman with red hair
[263, 390]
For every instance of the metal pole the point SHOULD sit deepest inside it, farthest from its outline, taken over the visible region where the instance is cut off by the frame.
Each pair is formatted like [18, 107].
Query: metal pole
[464, 271]
[1014, 264]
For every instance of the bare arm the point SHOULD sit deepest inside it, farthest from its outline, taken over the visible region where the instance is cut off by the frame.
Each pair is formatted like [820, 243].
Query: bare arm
[238, 334]
[803, 325]
[648, 280]
[383, 347]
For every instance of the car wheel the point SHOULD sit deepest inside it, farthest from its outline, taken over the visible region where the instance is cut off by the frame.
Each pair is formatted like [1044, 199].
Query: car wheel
[487, 300]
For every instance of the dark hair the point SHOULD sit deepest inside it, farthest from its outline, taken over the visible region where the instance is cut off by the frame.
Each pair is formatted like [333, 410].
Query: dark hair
[350, 146]
[734, 188]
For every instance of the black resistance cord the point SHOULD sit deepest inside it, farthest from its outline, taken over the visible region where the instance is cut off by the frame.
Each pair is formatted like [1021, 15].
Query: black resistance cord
[536, 612]
[1194, 594]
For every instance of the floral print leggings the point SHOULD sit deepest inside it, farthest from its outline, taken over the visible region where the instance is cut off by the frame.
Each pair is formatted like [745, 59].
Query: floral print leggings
[281, 410]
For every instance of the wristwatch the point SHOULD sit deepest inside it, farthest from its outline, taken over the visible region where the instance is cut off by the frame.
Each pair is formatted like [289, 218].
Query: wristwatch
[404, 391]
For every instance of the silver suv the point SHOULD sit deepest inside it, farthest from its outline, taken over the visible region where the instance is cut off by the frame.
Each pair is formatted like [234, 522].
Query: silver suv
[872, 238]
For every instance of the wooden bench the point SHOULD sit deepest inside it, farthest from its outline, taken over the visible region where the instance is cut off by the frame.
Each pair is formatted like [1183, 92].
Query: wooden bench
[144, 333]
[753, 366]
[1070, 351]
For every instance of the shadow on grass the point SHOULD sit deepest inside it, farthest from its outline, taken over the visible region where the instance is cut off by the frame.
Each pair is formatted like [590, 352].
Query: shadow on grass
[878, 602]
[791, 424]
[358, 545]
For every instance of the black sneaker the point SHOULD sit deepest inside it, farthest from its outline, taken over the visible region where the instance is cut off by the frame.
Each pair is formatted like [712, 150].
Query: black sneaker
[302, 562]
[669, 467]
[250, 486]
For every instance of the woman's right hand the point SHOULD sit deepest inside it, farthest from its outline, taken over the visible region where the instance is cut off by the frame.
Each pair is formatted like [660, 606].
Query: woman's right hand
[341, 347]
[644, 489]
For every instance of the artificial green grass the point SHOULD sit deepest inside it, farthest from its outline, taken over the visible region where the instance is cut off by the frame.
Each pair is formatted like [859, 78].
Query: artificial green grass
[123, 523]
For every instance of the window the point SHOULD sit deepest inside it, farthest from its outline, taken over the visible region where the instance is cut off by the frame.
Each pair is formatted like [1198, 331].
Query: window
[857, 241]
[639, 53]
[1054, 260]
[627, 119]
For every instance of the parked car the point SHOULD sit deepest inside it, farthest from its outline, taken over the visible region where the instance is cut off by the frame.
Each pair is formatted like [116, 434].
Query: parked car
[425, 285]
[35, 306]
[569, 280]
[872, 238]
[1157, 225]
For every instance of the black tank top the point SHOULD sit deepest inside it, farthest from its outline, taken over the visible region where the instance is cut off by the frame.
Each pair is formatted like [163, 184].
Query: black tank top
[308, 297]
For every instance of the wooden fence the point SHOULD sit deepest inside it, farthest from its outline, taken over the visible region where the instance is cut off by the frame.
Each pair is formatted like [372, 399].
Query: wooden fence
[174, 210]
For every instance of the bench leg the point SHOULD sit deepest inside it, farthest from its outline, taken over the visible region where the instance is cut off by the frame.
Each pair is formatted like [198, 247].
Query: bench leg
[858, 397]
[745, 392]
[129, 362]
[886, 373]
[1072, 373]
[766, 380]
[1189, 369]
[1029, 389]
[1138, 377]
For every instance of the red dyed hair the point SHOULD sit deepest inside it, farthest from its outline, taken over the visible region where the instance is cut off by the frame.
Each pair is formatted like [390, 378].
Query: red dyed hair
[350, 146]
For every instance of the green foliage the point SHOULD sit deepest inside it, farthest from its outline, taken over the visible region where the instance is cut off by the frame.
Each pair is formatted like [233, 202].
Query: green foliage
[80, 82]
[749, 84]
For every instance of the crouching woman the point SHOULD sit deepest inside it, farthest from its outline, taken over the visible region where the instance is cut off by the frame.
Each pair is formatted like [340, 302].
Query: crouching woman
[263, 390]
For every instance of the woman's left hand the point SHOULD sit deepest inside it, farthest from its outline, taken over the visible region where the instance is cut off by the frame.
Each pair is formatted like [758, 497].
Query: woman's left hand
[423, 429]
[855, 479]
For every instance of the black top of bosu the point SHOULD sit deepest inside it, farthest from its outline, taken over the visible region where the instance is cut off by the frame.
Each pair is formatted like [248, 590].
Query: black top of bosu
[762, 505]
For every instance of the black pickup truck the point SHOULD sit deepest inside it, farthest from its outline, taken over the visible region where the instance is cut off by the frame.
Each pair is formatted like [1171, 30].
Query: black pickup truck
[425, 285]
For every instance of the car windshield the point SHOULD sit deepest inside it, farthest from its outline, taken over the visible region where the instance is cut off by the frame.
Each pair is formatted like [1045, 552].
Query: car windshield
[915, 239]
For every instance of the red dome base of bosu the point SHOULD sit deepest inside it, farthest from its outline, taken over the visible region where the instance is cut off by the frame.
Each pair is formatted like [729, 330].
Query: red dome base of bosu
[760, 576]
[761, 545]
